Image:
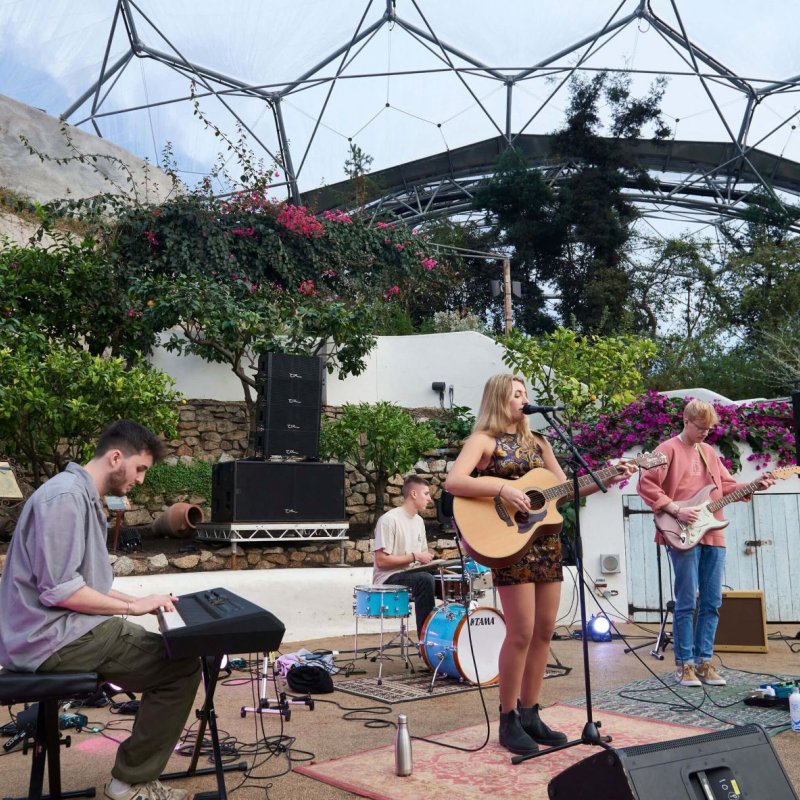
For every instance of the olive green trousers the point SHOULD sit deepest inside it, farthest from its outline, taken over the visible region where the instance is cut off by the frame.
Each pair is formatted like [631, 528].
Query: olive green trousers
[125, 654]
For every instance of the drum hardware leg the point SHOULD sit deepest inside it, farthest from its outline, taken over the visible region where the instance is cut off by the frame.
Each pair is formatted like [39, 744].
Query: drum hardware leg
[435, 673]
[405, 641]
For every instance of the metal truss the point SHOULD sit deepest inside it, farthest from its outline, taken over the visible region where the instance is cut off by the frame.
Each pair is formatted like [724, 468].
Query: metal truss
[272, 532]
[696, 181]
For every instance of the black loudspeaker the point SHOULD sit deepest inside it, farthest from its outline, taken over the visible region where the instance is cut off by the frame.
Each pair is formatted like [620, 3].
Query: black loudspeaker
[289, 405]
[273, 491]
[732, 764]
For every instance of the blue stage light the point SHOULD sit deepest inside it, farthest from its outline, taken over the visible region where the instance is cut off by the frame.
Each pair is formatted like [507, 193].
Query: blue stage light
[599, 628]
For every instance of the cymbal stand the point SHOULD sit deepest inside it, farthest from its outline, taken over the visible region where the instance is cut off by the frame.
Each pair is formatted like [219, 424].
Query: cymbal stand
[282, 704]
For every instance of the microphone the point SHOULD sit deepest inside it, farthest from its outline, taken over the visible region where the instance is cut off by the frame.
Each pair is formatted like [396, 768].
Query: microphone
[529, 409]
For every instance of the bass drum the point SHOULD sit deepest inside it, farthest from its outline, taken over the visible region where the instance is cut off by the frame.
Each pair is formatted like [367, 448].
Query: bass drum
[446, 642]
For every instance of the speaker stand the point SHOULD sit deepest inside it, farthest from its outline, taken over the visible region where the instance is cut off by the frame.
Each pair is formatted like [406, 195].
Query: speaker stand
[591, 730]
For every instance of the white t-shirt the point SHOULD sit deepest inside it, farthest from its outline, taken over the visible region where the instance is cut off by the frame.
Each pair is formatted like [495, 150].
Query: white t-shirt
[398, 534]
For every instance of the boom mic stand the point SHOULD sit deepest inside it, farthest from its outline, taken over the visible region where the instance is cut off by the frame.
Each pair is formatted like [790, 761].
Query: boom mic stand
[591, 730]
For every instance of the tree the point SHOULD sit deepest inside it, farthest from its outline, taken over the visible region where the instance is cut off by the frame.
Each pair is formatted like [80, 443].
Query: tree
[588, 374]
[230, 278]
[378, 441]
[574, 239]
[55, 400]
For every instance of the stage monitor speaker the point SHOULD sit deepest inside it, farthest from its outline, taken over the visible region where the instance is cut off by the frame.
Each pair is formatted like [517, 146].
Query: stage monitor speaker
[274, 491]
[726, 765]
[742, 624]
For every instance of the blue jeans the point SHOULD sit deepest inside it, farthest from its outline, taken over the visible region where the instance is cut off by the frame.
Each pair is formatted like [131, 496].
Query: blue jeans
[421, 585]
[699, 569]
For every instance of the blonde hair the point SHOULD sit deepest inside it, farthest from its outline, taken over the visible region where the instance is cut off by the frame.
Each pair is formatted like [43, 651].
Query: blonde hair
[493, 415]
[701, 412]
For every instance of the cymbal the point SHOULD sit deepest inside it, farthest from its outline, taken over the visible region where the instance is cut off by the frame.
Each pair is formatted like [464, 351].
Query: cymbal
[437, 563]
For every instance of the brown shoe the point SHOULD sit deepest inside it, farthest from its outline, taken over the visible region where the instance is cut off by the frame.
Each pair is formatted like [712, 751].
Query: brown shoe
[686, 675]
[708, 675]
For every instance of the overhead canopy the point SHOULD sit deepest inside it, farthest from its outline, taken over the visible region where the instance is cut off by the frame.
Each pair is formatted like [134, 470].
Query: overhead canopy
[426, 89]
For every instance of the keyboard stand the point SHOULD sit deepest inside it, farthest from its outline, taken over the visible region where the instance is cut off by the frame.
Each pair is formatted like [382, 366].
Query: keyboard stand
[208, 717]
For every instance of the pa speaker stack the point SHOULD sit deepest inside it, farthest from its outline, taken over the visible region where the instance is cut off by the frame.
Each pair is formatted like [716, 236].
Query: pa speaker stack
[286, 490]
[288, 406]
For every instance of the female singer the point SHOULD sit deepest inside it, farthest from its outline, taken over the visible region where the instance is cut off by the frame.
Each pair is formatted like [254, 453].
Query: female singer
[502, 445]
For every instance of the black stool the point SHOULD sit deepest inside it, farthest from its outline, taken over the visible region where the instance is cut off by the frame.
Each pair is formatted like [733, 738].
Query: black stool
[47, 689]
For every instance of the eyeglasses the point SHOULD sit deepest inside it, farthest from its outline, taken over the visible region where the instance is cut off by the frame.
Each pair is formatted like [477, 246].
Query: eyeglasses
[702, 430]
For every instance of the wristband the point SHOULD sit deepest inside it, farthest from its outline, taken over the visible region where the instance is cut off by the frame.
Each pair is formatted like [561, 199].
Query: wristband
[500, 493]
[127, 609]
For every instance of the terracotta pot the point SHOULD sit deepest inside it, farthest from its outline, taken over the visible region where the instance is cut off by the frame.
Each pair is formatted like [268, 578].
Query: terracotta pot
[180, 520]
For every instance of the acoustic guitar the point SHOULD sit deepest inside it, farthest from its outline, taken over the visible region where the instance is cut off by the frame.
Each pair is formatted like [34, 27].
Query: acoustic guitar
[685, 536]
[497, 534]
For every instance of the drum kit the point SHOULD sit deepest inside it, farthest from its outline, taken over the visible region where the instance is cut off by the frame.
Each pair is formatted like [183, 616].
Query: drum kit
[460, 639]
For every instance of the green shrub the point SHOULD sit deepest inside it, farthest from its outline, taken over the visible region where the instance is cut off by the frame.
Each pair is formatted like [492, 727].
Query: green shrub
[174, 481]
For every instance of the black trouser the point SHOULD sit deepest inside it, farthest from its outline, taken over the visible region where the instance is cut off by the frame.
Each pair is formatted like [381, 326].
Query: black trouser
[421, 585]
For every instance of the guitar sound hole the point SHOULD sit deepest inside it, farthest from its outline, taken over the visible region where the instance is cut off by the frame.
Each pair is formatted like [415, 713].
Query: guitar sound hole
[537, 500]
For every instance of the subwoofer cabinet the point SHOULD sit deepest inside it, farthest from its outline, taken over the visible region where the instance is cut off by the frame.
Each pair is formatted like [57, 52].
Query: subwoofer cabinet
[277, 491]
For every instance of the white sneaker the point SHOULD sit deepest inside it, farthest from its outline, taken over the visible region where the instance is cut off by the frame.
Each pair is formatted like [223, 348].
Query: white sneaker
[155, 790]
[686, 675]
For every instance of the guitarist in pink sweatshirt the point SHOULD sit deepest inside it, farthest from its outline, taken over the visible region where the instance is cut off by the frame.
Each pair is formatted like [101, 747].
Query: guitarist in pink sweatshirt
[679, 494]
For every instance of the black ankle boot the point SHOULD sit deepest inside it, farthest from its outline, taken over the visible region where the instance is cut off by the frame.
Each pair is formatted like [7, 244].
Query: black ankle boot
[536, 729]
[513, 737]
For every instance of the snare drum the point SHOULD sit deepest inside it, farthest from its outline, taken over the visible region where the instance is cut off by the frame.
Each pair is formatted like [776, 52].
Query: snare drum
[383, 600]
[446, 641]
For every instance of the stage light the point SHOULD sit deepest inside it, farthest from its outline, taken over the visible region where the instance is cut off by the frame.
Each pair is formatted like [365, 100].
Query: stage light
[599, 628]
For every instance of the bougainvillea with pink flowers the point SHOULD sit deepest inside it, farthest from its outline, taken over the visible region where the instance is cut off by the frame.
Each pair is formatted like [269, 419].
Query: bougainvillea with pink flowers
[765, 426]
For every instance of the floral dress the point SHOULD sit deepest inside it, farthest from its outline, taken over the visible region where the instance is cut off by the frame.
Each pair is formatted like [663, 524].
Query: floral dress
[542, 562]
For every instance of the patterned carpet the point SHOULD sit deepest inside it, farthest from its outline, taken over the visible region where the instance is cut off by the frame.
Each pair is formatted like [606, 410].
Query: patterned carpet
[444, 774]
[710, 707]
[409, 686]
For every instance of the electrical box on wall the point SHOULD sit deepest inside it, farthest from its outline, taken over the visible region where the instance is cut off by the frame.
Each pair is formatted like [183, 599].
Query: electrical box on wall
[609, 563]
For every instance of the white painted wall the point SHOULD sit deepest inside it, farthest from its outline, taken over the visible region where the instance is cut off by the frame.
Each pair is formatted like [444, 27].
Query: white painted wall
[399, 369]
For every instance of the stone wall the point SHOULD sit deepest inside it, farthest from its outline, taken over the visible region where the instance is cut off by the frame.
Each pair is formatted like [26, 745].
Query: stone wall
[214, 431]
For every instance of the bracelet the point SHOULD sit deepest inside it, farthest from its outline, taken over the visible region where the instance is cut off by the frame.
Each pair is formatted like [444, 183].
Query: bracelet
[128, 610]
[500, 493]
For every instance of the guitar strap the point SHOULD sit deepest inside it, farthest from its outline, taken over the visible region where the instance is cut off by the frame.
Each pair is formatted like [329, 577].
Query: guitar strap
[708, 467]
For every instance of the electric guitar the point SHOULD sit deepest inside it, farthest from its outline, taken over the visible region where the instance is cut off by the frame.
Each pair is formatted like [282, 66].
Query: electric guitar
[497, 534]
[684, 536]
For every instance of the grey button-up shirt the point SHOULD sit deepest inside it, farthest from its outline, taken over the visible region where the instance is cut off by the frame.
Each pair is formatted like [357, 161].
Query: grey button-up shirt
[59, 546]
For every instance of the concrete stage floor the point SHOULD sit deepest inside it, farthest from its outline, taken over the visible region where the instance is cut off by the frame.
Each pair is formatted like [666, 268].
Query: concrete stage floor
[326, 733]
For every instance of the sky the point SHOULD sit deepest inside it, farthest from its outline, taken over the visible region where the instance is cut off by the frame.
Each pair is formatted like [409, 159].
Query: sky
[53, 50]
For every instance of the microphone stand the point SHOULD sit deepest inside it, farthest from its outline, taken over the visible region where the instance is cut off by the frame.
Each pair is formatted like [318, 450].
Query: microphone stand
[591, 730]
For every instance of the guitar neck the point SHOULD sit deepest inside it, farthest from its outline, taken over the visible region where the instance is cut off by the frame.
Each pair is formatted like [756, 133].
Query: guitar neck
[739, 494]
[565, 489]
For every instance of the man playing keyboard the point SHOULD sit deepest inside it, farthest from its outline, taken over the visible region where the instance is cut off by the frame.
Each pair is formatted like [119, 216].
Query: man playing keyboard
[66, 617]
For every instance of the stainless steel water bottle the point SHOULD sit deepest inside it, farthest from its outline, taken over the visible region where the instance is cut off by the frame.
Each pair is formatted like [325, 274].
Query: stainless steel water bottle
[402, 747]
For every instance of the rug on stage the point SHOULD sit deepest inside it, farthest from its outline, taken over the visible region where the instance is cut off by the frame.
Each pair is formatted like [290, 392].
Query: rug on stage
[443, 774]
[406, 687]
[710, 707]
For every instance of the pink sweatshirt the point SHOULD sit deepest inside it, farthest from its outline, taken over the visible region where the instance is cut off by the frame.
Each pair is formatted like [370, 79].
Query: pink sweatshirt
[684, 475]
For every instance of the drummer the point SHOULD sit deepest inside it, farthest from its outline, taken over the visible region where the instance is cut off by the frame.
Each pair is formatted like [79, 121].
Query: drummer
[400, 543]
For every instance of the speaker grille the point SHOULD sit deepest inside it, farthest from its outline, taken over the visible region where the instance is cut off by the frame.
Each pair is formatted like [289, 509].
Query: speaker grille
[268, 491]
